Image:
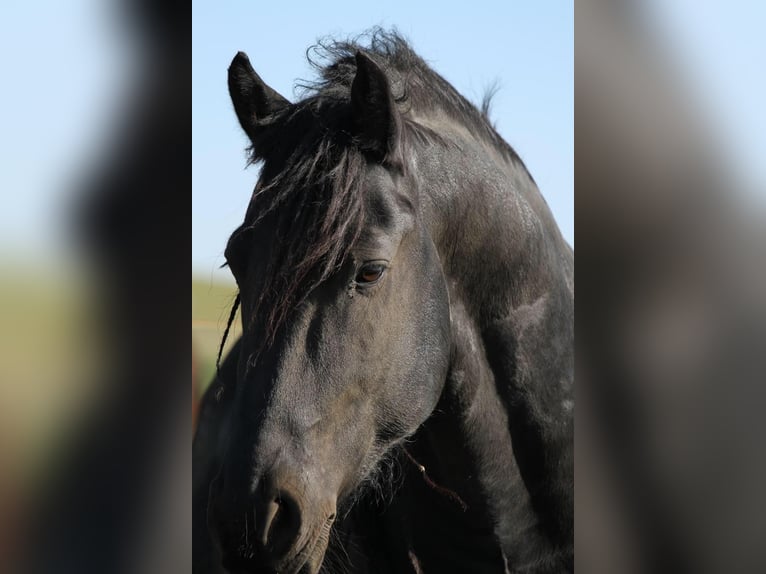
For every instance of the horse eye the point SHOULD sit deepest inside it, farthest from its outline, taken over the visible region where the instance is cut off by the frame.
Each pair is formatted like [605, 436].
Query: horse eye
[369, 273]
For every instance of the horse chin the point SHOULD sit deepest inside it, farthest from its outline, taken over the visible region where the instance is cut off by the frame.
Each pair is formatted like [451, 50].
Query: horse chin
[309, 559]
[314, 563]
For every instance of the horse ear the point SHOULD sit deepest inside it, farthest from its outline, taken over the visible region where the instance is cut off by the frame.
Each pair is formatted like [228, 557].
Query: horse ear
[373, 108]
[253, 99]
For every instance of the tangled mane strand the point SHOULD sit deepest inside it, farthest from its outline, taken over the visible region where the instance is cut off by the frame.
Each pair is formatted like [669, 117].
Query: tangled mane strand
[417, 88]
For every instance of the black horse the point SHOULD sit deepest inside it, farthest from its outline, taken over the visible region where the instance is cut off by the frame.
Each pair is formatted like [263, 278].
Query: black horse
[401, 399]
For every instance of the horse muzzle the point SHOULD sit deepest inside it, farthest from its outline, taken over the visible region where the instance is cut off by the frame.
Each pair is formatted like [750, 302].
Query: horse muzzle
[277, 527]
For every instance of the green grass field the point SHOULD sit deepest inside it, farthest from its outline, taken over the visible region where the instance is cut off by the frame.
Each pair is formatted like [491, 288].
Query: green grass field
[211, 302]
[51, 341]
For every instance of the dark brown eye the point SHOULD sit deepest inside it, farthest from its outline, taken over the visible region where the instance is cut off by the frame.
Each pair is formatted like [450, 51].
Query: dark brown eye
[370, 273]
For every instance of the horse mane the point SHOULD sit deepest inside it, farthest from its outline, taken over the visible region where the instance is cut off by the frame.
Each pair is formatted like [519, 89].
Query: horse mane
[311, 188]
[418, 89]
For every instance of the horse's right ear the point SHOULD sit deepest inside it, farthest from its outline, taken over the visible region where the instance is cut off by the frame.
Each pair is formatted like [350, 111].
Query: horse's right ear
[253, 99]
[373, 107]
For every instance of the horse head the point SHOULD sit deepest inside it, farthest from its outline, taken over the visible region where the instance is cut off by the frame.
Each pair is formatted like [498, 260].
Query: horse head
[345, 313]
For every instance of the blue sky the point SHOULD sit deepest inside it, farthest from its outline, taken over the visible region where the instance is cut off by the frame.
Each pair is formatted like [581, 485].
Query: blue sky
[527, 48]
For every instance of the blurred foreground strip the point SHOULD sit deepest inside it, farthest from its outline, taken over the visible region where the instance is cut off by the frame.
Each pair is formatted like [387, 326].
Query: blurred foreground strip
[94, 420]
[671, 321]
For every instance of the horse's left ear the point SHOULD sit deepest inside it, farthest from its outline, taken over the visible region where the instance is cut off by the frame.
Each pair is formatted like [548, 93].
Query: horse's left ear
[376, 121]
[253, 99]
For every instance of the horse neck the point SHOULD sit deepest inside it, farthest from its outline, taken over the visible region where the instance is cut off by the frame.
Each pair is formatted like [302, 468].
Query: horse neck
[506, 266]
[499, 244]
[462, 488]
[483, 468]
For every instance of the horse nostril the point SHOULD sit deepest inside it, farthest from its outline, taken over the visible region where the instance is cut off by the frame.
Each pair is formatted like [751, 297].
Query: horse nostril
[278, 520]
[267, 519]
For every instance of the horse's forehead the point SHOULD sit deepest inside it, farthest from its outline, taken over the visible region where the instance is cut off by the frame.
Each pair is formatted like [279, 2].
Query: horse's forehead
[387, 202]
[387, 219]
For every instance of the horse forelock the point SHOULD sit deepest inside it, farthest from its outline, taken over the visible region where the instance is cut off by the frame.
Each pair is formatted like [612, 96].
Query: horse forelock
[313, 209]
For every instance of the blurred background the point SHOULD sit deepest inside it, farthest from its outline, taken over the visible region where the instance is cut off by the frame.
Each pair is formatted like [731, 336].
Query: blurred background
[94, 354]
[67, 69]
[671, 308]
[667, 100]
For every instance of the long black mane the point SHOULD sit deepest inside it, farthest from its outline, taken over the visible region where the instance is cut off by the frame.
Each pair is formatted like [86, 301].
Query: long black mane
[310, 194]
